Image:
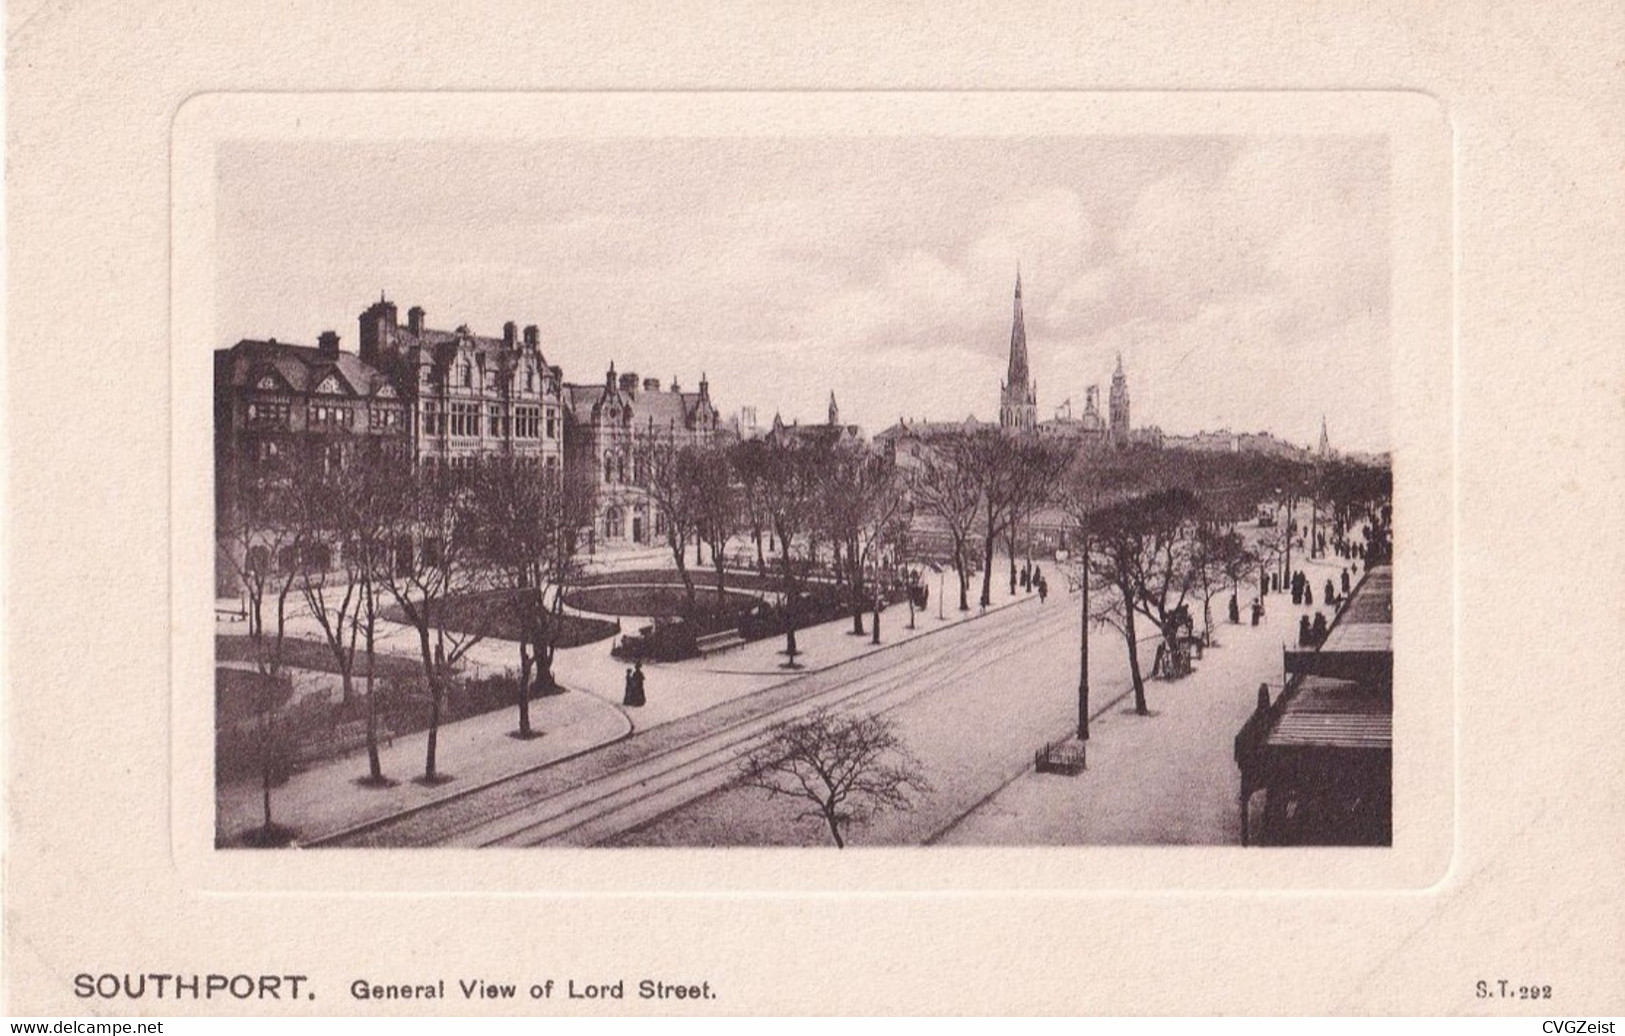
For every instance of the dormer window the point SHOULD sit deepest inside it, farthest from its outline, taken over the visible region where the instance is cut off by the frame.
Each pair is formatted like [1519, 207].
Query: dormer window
[266, 384]
[468, 374]
[530, 380]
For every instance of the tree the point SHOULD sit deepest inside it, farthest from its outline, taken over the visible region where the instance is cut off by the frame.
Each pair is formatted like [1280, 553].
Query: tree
[1032, 481]
[786, 480]
[528, 522]
[847, 768]
[666, 471]
[437, 511]
[718, 508]
[1141, 556]
[261, 537]
[947, 486]
[1220, 560]
[346, 507]
[864, 508]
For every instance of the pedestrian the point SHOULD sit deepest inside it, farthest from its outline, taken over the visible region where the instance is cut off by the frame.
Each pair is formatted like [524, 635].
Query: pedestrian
[1308, 595]
[637, 683]
[1263, 585]
[1235, 609]
[1303, 631]
[1345, 581]
[1318, 631]
[1331, 593]
[629, 696]
[1258, 610]
[1043, 589]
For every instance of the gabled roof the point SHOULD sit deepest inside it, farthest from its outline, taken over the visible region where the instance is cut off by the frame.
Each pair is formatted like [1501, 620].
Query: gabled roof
[662, 409]
[301, 368]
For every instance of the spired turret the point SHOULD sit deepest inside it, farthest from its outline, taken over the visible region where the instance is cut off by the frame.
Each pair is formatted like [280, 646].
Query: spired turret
[1119, 404]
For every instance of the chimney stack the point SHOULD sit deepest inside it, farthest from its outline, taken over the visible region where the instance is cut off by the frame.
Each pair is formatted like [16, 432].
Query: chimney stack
[510, 335]
[629, 384]
[651, 384]
[328, 342]
[377, 330]
[533, 337]
[414, 320]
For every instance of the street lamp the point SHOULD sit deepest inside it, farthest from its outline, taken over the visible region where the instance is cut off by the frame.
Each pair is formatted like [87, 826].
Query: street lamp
[1083, 643]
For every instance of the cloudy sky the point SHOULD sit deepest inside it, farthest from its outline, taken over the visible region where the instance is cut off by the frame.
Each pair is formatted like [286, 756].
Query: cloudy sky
[1244, 280]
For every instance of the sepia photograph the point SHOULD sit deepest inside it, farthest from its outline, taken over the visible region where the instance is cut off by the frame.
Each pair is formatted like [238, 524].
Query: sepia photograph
[818, 492]
[548, 512]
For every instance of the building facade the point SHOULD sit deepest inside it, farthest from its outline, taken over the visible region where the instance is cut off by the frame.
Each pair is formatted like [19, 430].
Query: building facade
[604, 427]
[469, 396]
[1018, 402]
[279, 406]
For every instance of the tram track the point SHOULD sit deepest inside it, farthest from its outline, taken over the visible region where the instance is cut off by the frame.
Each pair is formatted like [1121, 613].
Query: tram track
[643, 792]
[489, 814]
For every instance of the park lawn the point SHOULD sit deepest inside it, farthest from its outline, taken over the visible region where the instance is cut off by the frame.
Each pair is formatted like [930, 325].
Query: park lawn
[655, 601]
[314, 655]
[485, 612]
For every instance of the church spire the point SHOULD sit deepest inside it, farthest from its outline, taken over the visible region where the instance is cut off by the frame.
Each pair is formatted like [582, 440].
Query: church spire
[1018, 402]
[834, 410]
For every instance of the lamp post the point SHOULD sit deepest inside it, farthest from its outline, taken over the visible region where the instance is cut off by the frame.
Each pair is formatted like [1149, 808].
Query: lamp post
[1083, 644]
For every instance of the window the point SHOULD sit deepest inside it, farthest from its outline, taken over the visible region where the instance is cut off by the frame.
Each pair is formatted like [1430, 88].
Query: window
[465, 419]
[552, 425]
[467, 374]
[526, 422]
[498, 422]
[384, 418]
[530, 380]
[434, 422]
[328, 415]
[609, 467]
[269, 451]
[269, 414]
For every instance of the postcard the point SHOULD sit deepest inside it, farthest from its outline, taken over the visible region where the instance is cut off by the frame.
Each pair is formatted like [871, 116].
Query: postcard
[783, 550]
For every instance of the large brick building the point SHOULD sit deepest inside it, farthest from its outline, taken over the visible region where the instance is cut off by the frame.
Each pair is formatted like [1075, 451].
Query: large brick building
[604, 426]
[446, 397]
[469, 395]
[278, 404]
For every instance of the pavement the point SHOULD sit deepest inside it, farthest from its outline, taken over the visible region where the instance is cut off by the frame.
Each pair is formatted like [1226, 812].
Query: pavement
[325, 799]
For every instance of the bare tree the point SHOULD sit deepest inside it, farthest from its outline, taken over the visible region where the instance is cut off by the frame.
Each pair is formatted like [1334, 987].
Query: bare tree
[261, 537]
[846, 768]
[786, 480]
[1033, 481]
[665, 470]
[719, 510]
[528, 520]
[947, 486]
[437, 510]
[863, 506]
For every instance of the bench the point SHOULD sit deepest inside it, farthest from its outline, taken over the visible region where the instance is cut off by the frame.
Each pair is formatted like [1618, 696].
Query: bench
[1068, 757]
[713, 643]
